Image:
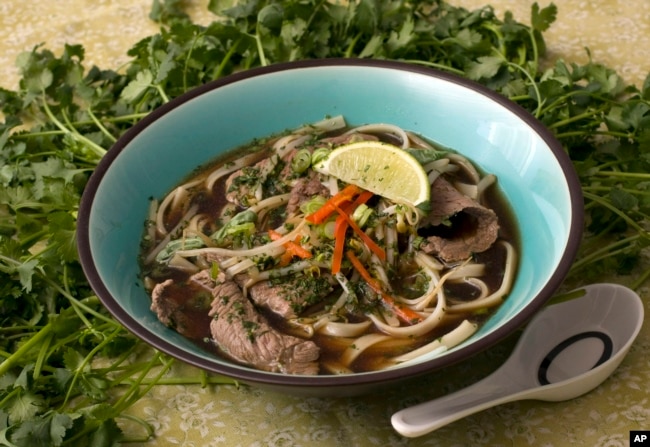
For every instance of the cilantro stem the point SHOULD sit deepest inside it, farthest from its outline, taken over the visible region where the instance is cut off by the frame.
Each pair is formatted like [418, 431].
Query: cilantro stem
[603, 202]
[81, 367]
[147, 427]
[203, 380]
[115, 119]
[607, 189]
[621, 174]
[499, 36]
[26, 347]
[162, 93]
[97, 149]
[66, 289]
[575, 118]
[535, 64]
[188, 58]
[635, 285]
[564, 99]
[533, 83]
[435, 65]
[101, 127]
[75, 302]
[224, 61]
[580, 133]
[260, 49]
[349, 51]
[9, 396]
[612, 249]
[41, 358]
[134, 392]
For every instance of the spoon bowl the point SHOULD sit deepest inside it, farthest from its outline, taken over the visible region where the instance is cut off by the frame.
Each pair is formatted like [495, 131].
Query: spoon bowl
[566, 350]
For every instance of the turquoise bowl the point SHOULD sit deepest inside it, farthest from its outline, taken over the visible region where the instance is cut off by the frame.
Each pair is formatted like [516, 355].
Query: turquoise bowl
[533, 171]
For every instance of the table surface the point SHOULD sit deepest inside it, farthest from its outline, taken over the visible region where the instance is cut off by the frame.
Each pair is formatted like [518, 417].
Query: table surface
[617, 33]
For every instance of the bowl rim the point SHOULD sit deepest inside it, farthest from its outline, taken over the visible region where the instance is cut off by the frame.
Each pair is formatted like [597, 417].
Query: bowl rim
[262, 378]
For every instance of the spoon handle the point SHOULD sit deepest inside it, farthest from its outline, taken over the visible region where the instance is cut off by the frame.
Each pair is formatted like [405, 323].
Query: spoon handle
[421, 419]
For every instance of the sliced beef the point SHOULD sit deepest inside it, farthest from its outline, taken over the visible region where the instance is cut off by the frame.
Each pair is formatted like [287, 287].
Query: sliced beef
[246, 336]
[183, 307]
[303, 190]
[473, 229]
[290, 296]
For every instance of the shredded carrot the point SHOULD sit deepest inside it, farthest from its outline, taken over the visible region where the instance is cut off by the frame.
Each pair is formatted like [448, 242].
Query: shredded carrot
[292, 248]
[372, 245]
[340, 228]
[296, 249]
[360, 200]
[402, 312]
[345, 195]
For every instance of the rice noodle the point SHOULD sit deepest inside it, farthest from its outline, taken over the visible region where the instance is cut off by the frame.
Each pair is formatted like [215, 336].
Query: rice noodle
[418, 142]
[453, 338]
[292, 145]
[390, 318]
[336, 368]
[467, 270]
[165, 240]
[479, 285]
[424, 259]
[240, 267]
[151, 220]
[168, 202]
[360, 344]
[338, 329]
[383, 128]
[418, 329]
[485, 183]
[264, 206]
[436, 165]
[465, 164]
[496, 297]
[180, 263]
[231, 167]
[391, 244]
[470, 190]
[333, 185]
[326, 125]
[435, 286]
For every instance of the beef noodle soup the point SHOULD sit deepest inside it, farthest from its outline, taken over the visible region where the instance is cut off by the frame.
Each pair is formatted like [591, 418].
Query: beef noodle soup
[268, 262]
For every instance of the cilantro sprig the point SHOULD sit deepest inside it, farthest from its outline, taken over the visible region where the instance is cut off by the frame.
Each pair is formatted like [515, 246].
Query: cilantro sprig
[67, 369]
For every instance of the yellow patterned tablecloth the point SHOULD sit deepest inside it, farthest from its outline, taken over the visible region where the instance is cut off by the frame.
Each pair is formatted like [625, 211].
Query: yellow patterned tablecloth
[617, 32]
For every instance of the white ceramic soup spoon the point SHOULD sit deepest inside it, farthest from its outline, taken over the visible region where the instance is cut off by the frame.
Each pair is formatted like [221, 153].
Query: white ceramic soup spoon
[566, 350]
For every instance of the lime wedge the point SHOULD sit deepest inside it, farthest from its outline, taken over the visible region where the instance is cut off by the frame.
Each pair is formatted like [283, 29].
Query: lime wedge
[379, 167]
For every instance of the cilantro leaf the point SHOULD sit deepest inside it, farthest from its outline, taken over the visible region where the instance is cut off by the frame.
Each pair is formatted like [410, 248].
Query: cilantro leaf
[485, 67]
[135, 88]
[541, 19]
[45, 431]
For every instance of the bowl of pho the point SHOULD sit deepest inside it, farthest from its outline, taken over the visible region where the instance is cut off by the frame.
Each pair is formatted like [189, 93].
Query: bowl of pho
[329, 227]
